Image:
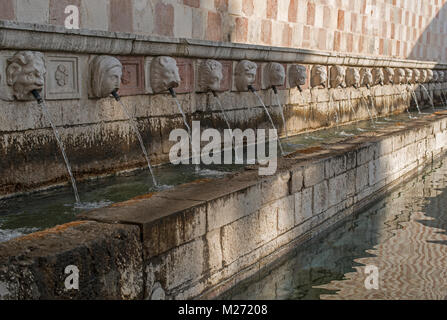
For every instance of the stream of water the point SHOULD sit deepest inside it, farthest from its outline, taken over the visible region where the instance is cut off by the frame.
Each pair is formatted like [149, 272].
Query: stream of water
[61, 147]
[140, 139]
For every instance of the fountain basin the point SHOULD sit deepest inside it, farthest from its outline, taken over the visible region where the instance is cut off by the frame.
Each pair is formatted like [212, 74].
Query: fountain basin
[199, 239]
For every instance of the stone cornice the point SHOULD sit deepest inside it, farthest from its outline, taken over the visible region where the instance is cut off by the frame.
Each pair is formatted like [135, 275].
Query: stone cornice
[27, 36]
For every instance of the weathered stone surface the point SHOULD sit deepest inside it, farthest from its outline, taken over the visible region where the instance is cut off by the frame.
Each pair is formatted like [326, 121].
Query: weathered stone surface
[62, 78]
[321, 197]
[109, 259]
[313, 173]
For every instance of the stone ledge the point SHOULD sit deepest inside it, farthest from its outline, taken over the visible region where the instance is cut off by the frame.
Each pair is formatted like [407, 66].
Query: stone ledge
[109, 259]
[29, 36]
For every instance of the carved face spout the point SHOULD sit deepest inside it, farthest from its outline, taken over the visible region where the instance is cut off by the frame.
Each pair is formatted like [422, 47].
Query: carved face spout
[366, 77]
[389, 75]
[275, 74]
[245, 74]
[210, 75]
[408, 75]
[435, 76]
[297, 75]
[416, 76]
[105, 76]
[164, 74]
[318, 77]
[338, 74]
[399, 76]
[423, 76]
[26, 72]
[429, 77]
[378, 76]
[353, 77]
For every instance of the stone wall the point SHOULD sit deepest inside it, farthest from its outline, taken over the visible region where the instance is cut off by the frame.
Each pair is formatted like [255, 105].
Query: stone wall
[403, 28]
[199, 239]
[96, 133]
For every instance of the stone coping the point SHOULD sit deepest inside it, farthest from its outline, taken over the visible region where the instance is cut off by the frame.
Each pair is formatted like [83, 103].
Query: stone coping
[30, 36]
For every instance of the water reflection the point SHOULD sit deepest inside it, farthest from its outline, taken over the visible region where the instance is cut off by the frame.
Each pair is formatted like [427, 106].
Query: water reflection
[404, 235]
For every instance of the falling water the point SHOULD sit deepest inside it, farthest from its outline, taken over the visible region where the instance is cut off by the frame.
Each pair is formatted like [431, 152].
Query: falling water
[282, 114]
[223, 111]
[186, 124]
[140, 139]
[61, 146]
[373, 99]
[429, 96]
[415, 100]
[271, 120]
[350, 102]
[367, 108]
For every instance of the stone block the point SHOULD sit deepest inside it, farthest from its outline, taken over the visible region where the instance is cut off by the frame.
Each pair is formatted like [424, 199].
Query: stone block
[233, 206]
[132, 81]
[338, 188]
[320, 199]
[143, 16]
[296, 181]
[313, 173]
[108, 257]
[240, 238]
[174, 230]
[335, 165]
[366, 153]
[186, 72]
[268, 221]
[7, 10]
[120, 16]
[180, 265]
[286, 213]
[57, 10]
[214, 247]
[33, 11]
[62, 78]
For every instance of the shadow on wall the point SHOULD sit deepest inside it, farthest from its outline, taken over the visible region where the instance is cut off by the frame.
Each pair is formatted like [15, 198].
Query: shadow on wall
[432, 44]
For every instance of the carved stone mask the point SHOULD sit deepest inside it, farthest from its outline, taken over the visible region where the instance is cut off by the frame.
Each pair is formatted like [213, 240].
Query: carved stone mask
[366, 77]
[416, 76]
[164, 74]
[297, 75]
[338, 74]
[318, 76]
[105, 76]
[274, 74]
[352, 77]
[399, 76]
[429, 77]
[408, 75]
[210, 75]
[441, 76]
[389, 75]
[378, 76]
[245, 74]
[25, 72]
[423, 76]
[435, 76]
